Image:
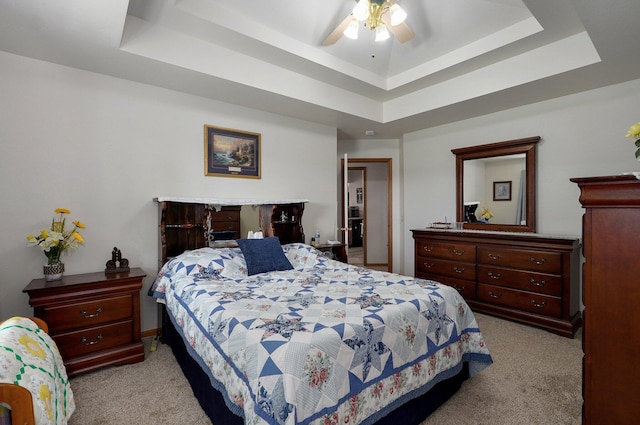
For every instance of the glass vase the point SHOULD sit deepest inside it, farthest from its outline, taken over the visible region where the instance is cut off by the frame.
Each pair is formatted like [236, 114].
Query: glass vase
[53, 271]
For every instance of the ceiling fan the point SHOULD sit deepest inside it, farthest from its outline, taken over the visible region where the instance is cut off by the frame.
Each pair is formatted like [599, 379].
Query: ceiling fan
[381, 16]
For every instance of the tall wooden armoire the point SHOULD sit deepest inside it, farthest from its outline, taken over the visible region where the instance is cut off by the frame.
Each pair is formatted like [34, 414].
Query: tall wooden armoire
[611, 295]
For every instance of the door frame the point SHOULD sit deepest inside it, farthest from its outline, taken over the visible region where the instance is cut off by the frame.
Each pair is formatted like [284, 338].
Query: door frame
[388, 162]
[363, 173]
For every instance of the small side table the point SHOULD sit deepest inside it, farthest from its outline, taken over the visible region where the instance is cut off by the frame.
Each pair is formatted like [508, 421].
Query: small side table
[94, 318]
[334, 251]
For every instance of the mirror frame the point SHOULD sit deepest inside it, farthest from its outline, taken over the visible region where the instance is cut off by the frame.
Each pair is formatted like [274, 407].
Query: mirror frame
[525, 146]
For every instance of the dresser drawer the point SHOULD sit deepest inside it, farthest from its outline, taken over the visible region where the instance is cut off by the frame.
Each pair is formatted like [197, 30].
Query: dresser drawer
[97, 338]
[447, 251]
[225, 215]
[88, 312]
[550, 262]
[543, 283]
[437, 266]
[466, 288]
[520, 300]
[224, 226]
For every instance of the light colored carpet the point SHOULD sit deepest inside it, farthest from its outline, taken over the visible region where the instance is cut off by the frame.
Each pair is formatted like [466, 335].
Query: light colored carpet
[536, 378]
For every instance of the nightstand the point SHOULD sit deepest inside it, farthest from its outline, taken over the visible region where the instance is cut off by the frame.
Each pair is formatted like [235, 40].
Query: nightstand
[94, 318]
[334, 251]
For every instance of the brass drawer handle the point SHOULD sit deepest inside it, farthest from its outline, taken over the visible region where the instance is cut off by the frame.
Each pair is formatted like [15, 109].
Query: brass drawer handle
[459, 270]
[428, 248]
[459, 288]
[495, 276]
[85, 341]
[492, 295]
[90, 316]
[494, 256]
[536, 283]
[539, 305]
[428, 265]
[458, 252]
[538, 262]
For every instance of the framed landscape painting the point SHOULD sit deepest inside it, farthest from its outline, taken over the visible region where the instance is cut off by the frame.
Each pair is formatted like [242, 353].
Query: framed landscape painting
[231, 153]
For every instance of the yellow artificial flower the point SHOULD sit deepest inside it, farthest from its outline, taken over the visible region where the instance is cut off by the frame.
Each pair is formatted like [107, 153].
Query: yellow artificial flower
[634, 131]
[485, 213]
[56, 240]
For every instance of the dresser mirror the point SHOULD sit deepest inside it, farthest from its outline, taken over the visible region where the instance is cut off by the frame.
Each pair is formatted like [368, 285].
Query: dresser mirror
[501, 178]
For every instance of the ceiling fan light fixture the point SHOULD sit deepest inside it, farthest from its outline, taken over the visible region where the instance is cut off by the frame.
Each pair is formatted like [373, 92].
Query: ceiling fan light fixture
[361, 10]
[397, 15]
[382, 33]
[352, 30]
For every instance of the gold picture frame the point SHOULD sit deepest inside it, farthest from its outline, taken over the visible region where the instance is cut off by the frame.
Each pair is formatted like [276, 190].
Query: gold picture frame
[232, 153]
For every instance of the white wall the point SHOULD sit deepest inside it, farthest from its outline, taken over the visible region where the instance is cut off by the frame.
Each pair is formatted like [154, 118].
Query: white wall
[105, 147]
[582, 135]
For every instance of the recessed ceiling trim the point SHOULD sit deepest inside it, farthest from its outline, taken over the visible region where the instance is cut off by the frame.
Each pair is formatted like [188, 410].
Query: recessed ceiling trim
[561, 56]
[216, 15]
[484, 45]
[153, 42]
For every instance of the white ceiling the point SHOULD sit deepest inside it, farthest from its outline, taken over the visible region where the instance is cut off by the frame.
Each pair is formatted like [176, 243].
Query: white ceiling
[468, 57]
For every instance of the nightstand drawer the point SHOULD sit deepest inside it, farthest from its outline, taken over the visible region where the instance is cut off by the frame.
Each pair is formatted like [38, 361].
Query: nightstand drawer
[86, 313]
[89, 340]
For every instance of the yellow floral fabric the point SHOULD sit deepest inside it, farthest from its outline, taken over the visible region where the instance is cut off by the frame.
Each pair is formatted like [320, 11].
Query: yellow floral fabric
[30, 358]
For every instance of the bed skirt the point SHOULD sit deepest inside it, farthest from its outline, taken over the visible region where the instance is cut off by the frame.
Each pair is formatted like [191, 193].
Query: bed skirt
[212, 402]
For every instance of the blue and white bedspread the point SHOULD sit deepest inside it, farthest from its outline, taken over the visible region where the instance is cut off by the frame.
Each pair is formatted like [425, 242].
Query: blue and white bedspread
[324, 343]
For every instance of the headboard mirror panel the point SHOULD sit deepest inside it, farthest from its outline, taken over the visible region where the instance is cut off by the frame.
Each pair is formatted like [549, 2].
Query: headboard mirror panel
[500, 177]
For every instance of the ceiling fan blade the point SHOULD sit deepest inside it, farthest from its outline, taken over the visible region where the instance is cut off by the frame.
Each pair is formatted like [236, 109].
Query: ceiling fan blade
[338, 32]
[401, 31]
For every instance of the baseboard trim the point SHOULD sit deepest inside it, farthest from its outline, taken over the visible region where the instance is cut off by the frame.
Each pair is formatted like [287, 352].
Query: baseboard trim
[150, 332]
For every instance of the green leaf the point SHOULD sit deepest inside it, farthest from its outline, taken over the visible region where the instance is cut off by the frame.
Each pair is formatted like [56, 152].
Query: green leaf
[638, 154]
[638, 143]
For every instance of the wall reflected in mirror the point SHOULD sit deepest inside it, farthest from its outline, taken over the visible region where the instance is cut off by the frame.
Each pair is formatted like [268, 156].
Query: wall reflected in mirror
[480, 178]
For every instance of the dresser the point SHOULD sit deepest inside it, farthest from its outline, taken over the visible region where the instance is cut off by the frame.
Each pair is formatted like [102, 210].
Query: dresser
[526, 277]
[611, 296]
[94, 318]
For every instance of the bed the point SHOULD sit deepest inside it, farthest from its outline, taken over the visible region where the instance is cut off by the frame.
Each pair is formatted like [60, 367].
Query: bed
[270, 334]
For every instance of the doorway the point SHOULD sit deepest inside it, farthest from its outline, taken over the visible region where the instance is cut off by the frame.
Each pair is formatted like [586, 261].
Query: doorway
[369, 212]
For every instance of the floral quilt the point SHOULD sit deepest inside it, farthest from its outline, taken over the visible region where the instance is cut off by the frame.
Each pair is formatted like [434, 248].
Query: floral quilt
[324, 343]
[30, 358]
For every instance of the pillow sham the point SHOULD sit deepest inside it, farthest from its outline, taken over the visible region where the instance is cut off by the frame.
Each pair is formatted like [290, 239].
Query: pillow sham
[300, 255]
[206, 262]
[264, 255]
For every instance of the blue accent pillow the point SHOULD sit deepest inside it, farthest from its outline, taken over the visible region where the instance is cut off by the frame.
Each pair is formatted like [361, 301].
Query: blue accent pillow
[263, 255]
